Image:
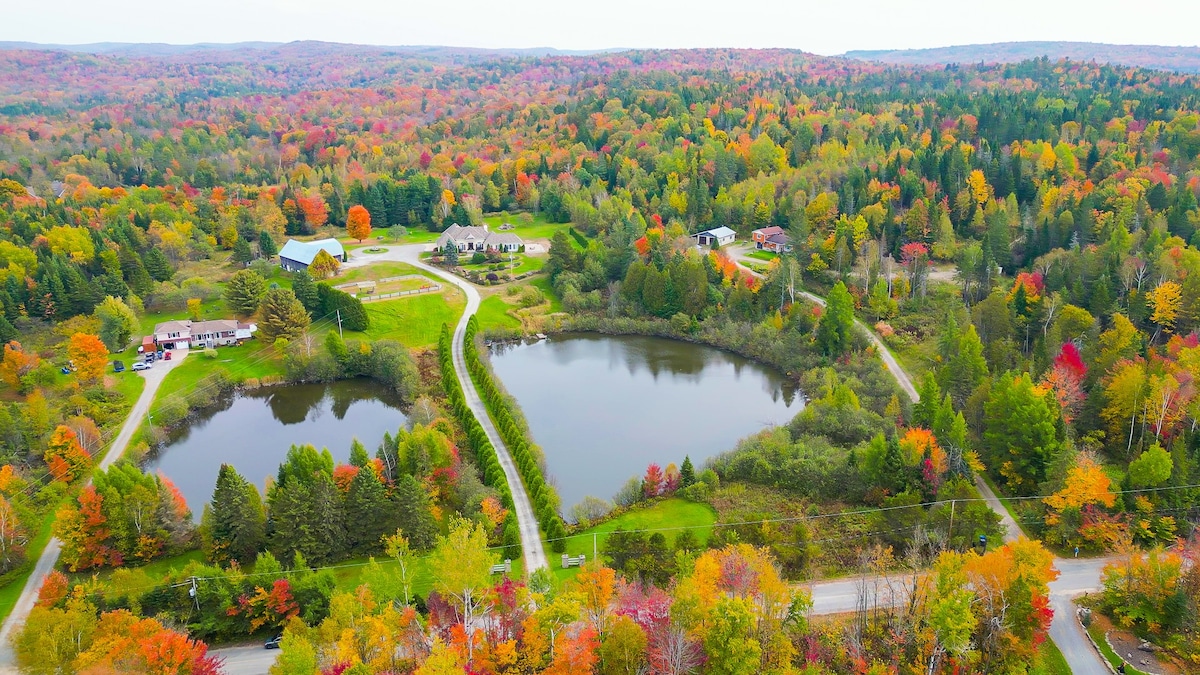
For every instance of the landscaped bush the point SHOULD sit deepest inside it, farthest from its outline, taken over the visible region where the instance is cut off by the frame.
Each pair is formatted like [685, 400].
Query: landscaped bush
[478, 259]
[210, 353]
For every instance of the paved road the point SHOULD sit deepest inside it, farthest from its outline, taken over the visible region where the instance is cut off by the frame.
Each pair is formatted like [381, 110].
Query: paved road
[248, 660]
[1076, 576]
[531, 538]
[45, 564]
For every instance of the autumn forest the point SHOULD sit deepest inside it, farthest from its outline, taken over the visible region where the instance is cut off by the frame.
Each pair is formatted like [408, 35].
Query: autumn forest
[991, 283]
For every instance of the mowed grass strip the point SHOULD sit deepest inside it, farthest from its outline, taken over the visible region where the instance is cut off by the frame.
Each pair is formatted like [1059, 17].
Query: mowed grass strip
[414, 321]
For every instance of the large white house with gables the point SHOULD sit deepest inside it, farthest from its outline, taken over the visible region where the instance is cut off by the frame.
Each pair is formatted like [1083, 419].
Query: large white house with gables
[472, 239]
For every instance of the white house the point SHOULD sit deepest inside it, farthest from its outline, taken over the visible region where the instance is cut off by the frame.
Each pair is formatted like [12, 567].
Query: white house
[471, 239]
[298, 255]
[720, 235]
[201, 334]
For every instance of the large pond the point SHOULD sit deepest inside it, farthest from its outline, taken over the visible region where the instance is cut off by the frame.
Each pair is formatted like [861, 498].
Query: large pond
[603, 408]
[253, 431]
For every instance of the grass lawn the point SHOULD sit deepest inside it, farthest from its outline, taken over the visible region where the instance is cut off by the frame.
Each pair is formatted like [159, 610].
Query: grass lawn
[374, 272]
[543, 282]
[762, 255]
[493, 313]
[540, 228]
[671, 516]
[414, 321]
[1050, 661]
[252, 359]
[12, 590]
[521, 264]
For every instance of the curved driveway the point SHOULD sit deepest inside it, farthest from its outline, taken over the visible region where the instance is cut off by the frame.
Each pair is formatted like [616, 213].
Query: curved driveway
[531, 538]
[45, 564]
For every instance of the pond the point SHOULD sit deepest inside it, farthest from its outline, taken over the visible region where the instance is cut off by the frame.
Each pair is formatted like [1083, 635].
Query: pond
[254, 430]
[605, 407]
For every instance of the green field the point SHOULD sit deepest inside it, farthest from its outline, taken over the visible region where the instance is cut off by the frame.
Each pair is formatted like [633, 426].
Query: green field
[242, 362]
[414, 321]
[543, 282]
[1050, 661]
[375, 271]
[762, 255]
[493, 313]
[670, 516]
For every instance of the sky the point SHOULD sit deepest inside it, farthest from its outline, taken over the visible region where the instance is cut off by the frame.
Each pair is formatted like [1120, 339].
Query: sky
[823, 26]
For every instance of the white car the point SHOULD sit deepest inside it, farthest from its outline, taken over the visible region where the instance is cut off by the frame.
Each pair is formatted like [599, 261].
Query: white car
[141, 365]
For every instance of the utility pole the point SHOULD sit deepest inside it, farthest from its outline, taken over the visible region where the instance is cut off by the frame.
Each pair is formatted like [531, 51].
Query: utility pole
[192, 592]
[950, 534]
[595, 552]
[339, 319]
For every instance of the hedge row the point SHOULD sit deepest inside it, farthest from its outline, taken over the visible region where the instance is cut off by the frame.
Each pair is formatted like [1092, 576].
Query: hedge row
[499, 407]
[485, 454]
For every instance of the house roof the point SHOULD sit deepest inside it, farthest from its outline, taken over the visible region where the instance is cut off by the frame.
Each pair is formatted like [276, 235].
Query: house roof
[503, 238]
[172, 327]
[457, 233]
[769, 231]
[780, 238]
[718, 232]
[304, 251]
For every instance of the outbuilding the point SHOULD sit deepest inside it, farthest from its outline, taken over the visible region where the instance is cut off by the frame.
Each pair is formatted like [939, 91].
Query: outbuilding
[298, 255]
[720, 236]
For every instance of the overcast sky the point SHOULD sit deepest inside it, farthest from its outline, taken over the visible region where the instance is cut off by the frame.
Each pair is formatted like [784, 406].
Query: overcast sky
[824, 27]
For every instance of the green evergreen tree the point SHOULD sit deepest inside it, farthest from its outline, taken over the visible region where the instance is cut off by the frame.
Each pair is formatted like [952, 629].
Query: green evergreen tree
[451, 254]
[244, 292]
[118, 323]
[369, 513]
[416, 519]
[266, 245]
[967, 368]
[834, 331]
[687, 472]
[234, 523]
[7, 332]
[563, 256]
[282, 315]
[134, 272]
[358, 454]
[1021, 434]
[925, 409]
[305, 290]
[342, 305]
[158, 266]
[242, 252]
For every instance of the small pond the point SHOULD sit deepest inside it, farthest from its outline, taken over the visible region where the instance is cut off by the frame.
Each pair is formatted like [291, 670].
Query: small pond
[605, 407]
[253, 431]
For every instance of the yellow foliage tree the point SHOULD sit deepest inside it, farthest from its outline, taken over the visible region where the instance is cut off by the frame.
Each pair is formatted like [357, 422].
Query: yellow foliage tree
[980, 189]
[1166, 299]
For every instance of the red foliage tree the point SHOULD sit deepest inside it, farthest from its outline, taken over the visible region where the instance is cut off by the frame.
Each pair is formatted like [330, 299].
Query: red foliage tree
[652, 482]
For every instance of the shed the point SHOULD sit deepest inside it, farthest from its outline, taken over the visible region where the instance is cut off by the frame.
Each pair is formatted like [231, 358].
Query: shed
[718, 235]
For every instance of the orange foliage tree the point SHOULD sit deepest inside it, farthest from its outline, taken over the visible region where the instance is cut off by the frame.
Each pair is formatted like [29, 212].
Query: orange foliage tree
[65, 457]
[17, 364]
[89, 355]
[358, 222]
[1072, 508]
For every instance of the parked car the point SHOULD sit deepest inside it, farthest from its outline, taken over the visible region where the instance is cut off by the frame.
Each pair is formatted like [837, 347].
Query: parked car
[65, 370]
[166, 356]
[142, 365]
[118, 366]
[274, 642]
[159, 355]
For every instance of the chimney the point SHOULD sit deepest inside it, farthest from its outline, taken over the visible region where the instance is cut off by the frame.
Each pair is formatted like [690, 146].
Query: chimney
[485, 227]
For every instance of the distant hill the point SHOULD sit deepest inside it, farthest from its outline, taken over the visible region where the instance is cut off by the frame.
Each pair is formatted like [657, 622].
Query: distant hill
[1182, 59]
[136, 49]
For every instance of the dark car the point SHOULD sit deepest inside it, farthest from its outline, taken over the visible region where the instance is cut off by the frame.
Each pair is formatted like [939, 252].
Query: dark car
[118, 366]
[274, 642]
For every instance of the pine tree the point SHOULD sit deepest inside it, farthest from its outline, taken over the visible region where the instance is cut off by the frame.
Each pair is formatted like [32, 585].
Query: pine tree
[926, 408]
[687, 472]
[134, 272]
[245, 292]
[157, 265]
[234, 523]
[967, 368]
[241, 251]
[282, 316]
[369, 513]
[416, 519]
[451, 254]
[834, 330]
[266, 245]
[358, 455]
[7, 332]
[305, 290]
